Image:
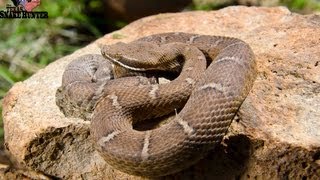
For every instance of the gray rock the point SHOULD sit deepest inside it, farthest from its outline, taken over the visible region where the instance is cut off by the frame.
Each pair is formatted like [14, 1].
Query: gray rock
[274, 136]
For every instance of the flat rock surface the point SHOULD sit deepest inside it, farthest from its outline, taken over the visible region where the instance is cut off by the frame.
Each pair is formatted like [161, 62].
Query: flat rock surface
[274, 136]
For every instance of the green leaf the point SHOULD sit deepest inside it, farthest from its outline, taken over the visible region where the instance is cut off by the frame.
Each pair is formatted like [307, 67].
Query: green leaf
[7, 75]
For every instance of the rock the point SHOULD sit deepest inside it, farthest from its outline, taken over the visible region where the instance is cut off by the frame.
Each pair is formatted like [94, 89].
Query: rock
[274, 136]
[7, 172]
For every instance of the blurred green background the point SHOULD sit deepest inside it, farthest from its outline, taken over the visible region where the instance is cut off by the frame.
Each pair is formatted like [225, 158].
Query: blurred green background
[27, 45]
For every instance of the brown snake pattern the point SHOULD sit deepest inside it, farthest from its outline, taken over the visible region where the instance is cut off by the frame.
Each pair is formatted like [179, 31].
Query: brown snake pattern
[217, 74]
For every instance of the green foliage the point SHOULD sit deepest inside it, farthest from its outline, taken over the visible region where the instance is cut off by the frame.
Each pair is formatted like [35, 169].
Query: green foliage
[205, 7]
[26, 45]
[1, 124]
[295, 4]
[302, 6]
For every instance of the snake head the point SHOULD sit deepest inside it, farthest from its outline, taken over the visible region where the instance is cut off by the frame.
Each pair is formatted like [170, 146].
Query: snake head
[124, 55]
[137, 56]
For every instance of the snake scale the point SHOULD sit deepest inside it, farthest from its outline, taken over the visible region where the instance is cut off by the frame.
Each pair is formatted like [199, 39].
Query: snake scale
[216, 75]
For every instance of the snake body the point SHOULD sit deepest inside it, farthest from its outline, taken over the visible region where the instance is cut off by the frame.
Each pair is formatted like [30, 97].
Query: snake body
[217, 74]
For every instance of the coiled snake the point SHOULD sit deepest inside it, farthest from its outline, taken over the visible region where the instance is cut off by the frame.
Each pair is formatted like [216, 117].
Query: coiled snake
[216, 75]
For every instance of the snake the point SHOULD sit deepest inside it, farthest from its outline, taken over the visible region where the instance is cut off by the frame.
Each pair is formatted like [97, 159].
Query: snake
[210, 78]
